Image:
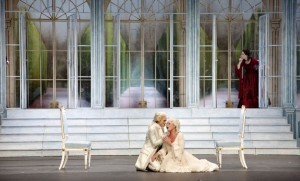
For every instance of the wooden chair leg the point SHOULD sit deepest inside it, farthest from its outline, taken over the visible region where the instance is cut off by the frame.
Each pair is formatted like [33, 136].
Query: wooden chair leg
[242, 158]
[217, 155]
[220, 158]
[85, 159]
[89, 158]
[63, 155]
[66, 159]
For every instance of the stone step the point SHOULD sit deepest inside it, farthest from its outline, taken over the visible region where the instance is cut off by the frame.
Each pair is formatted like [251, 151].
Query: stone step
[125, 144]
[148, 113]
[122, 131]
[140, 122]
[19, 138]
[139, 129]
[253, 151]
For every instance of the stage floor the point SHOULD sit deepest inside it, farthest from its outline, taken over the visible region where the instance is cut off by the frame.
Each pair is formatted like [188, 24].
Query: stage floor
[260, 167]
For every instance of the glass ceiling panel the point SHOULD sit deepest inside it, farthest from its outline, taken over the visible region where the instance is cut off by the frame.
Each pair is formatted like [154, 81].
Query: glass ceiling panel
[233, 7]
[142, 9]
[43, 9]
[48, 10]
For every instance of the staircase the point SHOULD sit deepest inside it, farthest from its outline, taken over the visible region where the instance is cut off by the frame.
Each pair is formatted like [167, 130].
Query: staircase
[36, 132]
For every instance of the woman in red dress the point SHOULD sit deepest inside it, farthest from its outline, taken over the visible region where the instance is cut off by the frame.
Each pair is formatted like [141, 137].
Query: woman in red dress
[247, 72]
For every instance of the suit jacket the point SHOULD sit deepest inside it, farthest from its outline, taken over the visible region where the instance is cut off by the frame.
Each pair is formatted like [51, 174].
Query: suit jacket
[152, 143]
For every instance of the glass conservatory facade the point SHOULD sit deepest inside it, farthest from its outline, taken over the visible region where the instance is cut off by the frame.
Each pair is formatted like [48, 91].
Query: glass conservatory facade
[146, 53]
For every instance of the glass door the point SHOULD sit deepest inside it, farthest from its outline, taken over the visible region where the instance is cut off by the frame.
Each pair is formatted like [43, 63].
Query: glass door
[208, 61]
[44, 61]
[137, 44]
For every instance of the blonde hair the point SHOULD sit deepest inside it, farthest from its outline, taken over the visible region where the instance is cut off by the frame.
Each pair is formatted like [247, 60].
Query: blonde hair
[176, 123]
[159, 116]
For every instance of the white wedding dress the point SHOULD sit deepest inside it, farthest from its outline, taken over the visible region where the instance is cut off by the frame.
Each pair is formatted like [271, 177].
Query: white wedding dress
[176, 159]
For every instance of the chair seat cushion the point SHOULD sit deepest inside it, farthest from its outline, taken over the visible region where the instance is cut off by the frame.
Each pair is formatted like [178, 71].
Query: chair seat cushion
[78, 144]
[228, 143]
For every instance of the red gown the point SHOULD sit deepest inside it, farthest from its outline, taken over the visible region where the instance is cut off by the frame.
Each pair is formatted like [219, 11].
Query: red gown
[248, 84]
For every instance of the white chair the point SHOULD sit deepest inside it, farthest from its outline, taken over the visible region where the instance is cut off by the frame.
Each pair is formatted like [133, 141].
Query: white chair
[69, 145]
[234, 145]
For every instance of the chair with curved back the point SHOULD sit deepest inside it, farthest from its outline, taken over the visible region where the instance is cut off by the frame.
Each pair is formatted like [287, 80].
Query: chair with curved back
[234, 145]
[69, 145]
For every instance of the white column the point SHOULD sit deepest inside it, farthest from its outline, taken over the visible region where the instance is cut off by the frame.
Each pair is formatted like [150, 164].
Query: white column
[97, 54]
[3, 60]
[23, 60]
[192, 52]
[289, 84]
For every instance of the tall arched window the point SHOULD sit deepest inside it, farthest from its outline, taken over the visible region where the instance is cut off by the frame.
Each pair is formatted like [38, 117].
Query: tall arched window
[46, 42]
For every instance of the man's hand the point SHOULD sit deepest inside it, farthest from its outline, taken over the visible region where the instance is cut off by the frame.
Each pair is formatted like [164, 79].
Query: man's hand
[154, 157]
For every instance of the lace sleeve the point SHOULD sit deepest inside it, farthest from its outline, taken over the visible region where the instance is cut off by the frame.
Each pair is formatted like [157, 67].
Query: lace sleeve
[178, 147]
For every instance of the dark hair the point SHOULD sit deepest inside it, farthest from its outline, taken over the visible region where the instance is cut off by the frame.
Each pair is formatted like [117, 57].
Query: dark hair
[247, 52]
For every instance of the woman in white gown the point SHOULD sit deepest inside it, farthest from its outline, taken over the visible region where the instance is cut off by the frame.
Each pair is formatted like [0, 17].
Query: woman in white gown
[175, 158]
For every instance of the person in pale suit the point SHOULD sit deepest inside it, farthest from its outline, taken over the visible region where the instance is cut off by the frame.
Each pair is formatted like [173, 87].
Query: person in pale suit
[153, 141]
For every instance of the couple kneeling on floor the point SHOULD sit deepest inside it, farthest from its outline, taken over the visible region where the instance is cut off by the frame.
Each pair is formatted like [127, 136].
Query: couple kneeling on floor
[165, 152]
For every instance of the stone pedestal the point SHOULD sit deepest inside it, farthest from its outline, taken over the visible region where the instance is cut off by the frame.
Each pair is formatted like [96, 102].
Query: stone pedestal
[142, 104]
[54, 104]
[229, 104]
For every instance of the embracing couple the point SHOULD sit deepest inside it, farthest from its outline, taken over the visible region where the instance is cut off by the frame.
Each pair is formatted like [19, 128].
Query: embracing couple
[164, 152]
